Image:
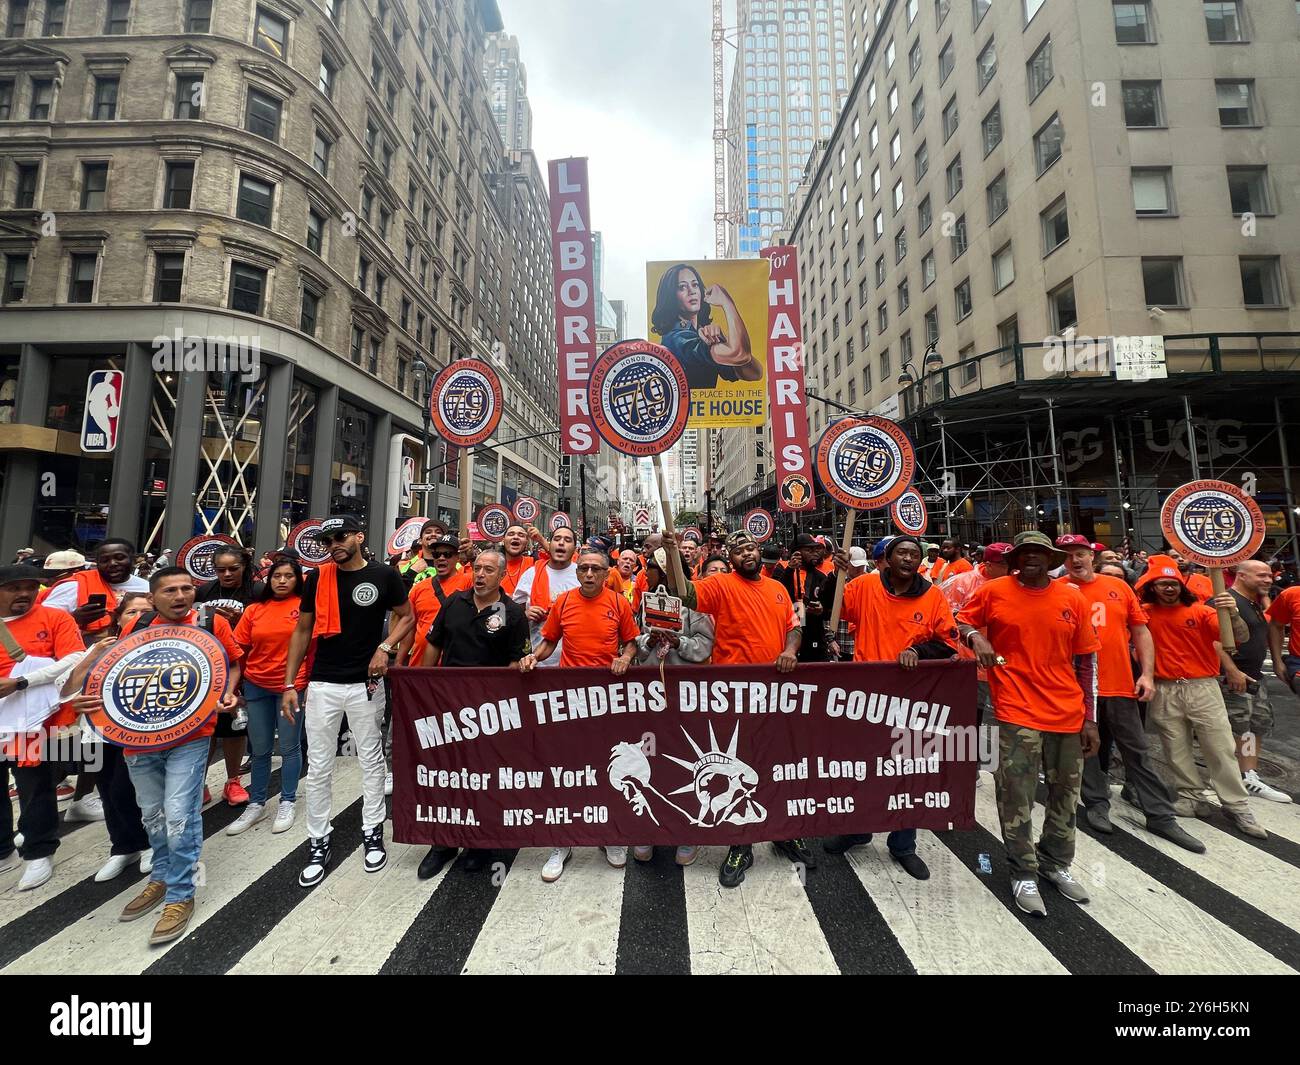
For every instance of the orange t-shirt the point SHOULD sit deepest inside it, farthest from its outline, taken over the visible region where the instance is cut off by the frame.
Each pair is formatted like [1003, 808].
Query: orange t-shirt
[1200, 586]
[591, 630]
[426, 604]
[1285, 610]
[515, 569]
[1184, 637]
[751, 618]
[943, 569]
[45, 632]
[827, 565]
[1038, 631]
[639, 587]
[889, 624]
[264, 630]
[1113, 609]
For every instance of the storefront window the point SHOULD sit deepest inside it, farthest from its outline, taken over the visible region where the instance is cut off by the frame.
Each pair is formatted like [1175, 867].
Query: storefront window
[353, 462]
[296, 504]
[226, 493]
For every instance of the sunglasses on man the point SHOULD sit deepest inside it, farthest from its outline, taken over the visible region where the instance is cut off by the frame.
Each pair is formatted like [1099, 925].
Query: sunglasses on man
[446, 554]
[326, 539]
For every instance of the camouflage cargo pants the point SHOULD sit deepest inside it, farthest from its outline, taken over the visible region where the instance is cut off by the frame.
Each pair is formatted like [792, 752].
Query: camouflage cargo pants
[1022, 752]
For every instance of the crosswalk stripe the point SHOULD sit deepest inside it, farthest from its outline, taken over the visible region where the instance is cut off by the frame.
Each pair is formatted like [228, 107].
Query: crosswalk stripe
[1168, 930]
[99, 943]
[1277, 845]
[652, 939]
[861, 940]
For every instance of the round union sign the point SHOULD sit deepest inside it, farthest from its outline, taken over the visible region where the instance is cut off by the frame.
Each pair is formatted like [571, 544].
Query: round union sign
[1212, 523]
[865, 463]
[639, 398]
[465, 402]
[195, 555]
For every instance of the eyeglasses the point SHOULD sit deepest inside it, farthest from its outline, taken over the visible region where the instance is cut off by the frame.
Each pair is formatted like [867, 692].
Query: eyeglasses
[444, 554]
[591, 569]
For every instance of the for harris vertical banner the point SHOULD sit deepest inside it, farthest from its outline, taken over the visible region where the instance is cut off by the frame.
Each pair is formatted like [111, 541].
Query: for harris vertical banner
[785, 382]
[575, 301]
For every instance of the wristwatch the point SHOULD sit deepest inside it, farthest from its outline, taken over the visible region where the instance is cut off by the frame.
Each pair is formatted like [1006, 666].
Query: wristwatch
[388, 650]
[21, 684]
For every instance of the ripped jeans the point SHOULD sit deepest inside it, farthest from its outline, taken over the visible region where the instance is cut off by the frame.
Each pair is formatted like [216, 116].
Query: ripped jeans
[169, 788]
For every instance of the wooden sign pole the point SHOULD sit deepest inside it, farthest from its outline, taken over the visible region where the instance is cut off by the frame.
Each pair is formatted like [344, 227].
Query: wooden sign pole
[840, 575]
[674, 556]
[466, 488]
[1226, 638]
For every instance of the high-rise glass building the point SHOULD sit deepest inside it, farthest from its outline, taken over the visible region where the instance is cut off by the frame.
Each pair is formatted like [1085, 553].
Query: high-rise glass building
[789, 83]
[508, 84]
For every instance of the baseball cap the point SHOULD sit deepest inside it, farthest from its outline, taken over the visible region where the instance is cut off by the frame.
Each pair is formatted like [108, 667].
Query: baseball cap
[1034, 538]
[14, 574]
[805, 540]
[878, 552]
[1074, 540]
[927, 548]
[996, 552]
[692, 536]
[771, 552]
[857, 556]
[342, 523]
[447, 541]
[738, 539]
[1100, 547]
[62, 561]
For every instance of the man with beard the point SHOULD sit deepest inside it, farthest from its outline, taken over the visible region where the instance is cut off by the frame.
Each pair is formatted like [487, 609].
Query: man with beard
[540, 586]
[959, 591]
[344, 605]
[91, 596]
[754, 623]
[1044, 694]
[429, 595]
[591, 627]
[810, 588]
[1197, 583]
[931, 557]
[1118, 618]
[480, 626]
[421, 567]
[951, 562]
[899, 617]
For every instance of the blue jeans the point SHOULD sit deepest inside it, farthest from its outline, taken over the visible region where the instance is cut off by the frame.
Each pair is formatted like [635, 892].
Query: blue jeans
[169, 789]
[263, 721]
[902, 842]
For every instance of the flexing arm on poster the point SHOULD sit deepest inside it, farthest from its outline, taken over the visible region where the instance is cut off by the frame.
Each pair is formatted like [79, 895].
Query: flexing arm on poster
[683, 317]
[735, 351]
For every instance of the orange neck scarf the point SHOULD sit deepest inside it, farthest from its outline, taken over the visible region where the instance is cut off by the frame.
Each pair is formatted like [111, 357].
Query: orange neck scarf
[329, 622]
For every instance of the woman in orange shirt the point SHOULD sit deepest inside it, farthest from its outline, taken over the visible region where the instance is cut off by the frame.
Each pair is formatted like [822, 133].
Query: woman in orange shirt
[263, 631]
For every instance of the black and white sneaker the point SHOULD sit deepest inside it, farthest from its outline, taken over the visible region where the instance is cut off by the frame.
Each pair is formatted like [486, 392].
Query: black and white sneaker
[373, 843]
[318, 860]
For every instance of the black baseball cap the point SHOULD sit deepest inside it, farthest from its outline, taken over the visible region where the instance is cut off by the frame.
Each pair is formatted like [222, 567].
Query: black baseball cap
[342, 523]
[771, 552]
[446, 541]
[805, 540]
[14, 574]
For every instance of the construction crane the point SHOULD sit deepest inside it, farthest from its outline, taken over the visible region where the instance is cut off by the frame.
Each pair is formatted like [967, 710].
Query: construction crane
[719, 137]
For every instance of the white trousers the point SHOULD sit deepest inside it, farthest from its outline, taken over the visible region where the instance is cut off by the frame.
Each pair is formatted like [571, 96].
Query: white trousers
[326, 705]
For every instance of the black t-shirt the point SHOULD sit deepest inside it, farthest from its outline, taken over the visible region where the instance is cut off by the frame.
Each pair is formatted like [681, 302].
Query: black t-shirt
[1249, 656]
[468, 636]
[366, 596]
[212, 592]
[805, 586]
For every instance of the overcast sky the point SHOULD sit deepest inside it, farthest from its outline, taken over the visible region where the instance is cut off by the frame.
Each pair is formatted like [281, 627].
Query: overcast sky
[629, 84]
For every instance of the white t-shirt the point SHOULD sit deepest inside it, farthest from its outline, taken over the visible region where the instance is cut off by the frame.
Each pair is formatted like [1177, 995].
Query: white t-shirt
[63, 596]
[560, 580]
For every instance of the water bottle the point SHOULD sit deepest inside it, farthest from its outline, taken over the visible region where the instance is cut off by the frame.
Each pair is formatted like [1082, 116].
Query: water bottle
[986, 866]
[240, 723]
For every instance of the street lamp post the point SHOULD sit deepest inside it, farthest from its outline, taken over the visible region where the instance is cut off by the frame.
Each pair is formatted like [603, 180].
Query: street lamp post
[424, 373]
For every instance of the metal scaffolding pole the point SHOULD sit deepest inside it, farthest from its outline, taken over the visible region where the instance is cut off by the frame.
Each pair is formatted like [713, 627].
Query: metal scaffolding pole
[1061, 524]
[1191, 439]
[1031, 477]
[943, 487]
[1132, 466]
[1119, 479]
[1286, 480]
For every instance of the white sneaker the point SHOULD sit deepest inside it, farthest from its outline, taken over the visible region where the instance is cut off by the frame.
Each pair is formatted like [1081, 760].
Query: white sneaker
[1260, 790]
[1065, 884]
[554, 866]
[114, 867]
[284, 817]
[91, 808]
[146, 862]
[35, 873]
[253, 813]
[10, 863]
[616, 856]
[388, 783]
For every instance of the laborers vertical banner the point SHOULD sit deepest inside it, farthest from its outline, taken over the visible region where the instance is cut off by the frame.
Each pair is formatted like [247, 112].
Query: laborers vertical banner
[575, 301]
[711, 316]
[785, 382]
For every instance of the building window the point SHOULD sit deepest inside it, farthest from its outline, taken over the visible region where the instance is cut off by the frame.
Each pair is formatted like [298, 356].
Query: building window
[1056, 226]
[891, 100]
[198, 16]
[315, 233]
[895, 147]
[25, 186]
[950, 119]
[15, 290]
[178, 186]
[928, 270]
[898, 195]
[81, 279]
[900, 245]
[1223, 21]
[923, 216]
[42, 100]
[1004, 268]
[1162, 282]
[255, 201]
[6, 100]
[955, 179]
[1031, 9]
[1248, 190]
[882, 323]
[1153, 191]
[914, 59]
[980, 8]
[875, 181]
[880, 270]
[94, 185]
[104, 108]
[1008, 338]
[320, 153]
[117, 16]
[56, 12]
[918, 108]
[947, 60]
[325, 79]
[16, 24]
[271, 33]
[1261, 283]
[922, 158]
[1047, 143]
[1060, 302]
[1133, 22]
[878, 225]
[247, 288]
[873, 138]
[1040, 69]
[309, 313]
[169, 271]
[372, 359]
[996, 194]
[904, 296]
[986, 65]
[959, 242]
[263, 116]
[1143, 106]
[890, 54]
[991, 129]
[961, 295]
[358, 344]
[1236, 103]
[189, 95]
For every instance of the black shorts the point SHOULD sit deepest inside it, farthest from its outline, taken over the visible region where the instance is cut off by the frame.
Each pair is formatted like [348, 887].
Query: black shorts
[225, 729]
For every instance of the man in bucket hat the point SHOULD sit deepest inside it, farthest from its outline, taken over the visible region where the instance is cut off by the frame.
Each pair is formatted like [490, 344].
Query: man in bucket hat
[1041, 657]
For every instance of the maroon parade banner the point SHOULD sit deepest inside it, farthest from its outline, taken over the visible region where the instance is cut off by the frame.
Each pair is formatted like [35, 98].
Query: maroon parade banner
[785, 382]
[722, 755]
[575, 301]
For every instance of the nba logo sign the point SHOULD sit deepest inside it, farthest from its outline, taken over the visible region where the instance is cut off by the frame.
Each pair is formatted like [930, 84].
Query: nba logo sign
[103, 404]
